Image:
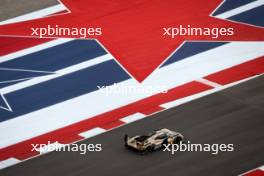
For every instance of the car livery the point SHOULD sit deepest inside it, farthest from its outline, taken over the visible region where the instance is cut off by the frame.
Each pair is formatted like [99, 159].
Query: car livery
[154, 140]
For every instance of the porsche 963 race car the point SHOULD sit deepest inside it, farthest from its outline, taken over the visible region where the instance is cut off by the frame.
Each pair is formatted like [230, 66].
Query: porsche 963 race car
[153, 141]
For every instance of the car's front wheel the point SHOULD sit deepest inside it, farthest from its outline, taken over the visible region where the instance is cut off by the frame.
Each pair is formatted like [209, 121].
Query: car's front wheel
[150, 148]
[177, 140]
[125, 137]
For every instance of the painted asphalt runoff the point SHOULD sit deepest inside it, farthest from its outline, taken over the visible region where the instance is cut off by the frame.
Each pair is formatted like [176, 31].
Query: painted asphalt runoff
[234, 115]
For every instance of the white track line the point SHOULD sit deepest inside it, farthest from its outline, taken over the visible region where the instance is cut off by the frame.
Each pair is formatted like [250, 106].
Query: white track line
[241, 9]
[36, 14]
[16, 80]
[92, 132]
[7, 106]
[207, 82]
[25, 70]
[133, 117]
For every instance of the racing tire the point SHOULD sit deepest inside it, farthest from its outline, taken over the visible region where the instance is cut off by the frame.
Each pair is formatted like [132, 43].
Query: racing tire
[125, 138]
[150, 149]
[177, 140]
[165, 142]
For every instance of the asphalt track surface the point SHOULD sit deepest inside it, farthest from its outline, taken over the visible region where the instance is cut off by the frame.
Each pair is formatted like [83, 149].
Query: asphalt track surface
[234, 115]
[14, 8]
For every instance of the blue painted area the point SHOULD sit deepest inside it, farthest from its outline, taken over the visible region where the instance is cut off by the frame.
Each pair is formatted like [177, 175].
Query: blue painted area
[190, 49]
[231, 4]
[8, 84]
[2, 104]
[8, 75]
[54, 58]
[63, 88]
[58, 57]
[254, 16]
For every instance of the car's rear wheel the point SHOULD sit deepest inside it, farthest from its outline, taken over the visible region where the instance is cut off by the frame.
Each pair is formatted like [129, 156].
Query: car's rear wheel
[177, 140]
[125, 140]
[125, 137]
[165, 142]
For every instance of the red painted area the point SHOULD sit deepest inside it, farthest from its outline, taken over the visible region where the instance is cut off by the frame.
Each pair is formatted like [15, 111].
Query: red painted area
[111, 125]
[13, 44]
[106, 120]
[133, 29]
[257, 172]
[69, 139]
[152, 110]
[239, 72]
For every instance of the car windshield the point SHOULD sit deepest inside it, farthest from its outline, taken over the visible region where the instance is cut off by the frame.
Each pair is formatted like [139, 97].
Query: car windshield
[162, 136]
[144, 137]
[141, 138]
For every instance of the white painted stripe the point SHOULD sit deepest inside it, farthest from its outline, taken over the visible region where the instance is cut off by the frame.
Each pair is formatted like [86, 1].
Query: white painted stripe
[25, 70]
[133, 117]
[202, 94]
[261, 168]
[59, 73]
[2, 165]
[208, 82]
[8, 162]
[36, 14]
[7, 106]
[33, 49]
[92, 132]
[241, 9]
[87, 106]
[16, 80]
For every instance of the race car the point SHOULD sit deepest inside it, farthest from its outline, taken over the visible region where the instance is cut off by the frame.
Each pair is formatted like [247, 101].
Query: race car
[153, 141]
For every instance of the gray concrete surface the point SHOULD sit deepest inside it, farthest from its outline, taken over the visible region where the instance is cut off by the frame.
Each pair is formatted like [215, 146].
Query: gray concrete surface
[13, 8]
